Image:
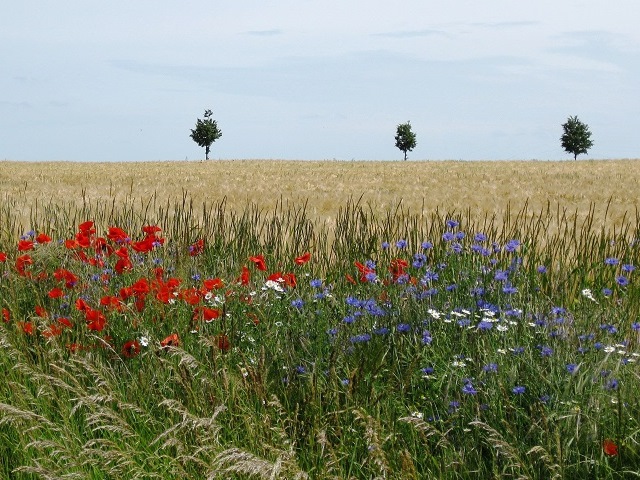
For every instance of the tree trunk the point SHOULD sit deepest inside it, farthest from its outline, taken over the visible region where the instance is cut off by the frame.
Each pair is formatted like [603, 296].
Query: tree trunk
[405, 155]
[206, 153]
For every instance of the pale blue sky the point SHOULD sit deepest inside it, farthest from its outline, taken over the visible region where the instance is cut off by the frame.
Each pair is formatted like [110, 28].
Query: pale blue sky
[302, 79]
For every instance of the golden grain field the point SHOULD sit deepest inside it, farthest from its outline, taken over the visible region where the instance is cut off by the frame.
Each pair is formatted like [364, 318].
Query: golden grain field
[481, 188]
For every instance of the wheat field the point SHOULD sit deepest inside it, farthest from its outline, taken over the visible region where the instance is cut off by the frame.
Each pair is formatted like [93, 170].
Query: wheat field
[610, 187]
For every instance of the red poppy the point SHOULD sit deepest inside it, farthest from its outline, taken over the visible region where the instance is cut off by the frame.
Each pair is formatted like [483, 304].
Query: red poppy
[223, 342]
[290, 280]
[212, 284]
[197, 248]
[53, 331]
[64, 275]
[144, 246]
[65, 322]
[87, 228]
[259, 262]
[141, 287]
[123, 264]
[96, 320]
[43, 238]
[609, 447]
[117, 235]
[3, 257]
[151, 229]
[350, 279]
[244, 277]
[24, 245]
[190, 296]
[171, 341]
[56, 293]
[131, 349]
[6, 315]
[302, 259]
[41, 312]
[210, 314]
[27, 327]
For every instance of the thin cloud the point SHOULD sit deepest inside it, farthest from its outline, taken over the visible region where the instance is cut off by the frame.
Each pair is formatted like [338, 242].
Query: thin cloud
[411, 33]
[514, 24]
[264, 33]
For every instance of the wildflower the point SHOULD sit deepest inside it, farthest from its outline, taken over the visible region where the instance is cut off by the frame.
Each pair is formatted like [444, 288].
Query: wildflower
[622, 280]
[426, 371]
[447, 236]
[259, 262]
[401, 244]
[572, 367]
[426, 338]
[479, 237]
[171, 341]
[144, 341]
[223, 343]
[385, 245]
[302, 259]
[131, 349]
[541, 269]
[468, 389]
[612, 384]
[607, 292]
[519, 390]
[611, 261]
[512, 245]
[628, 268]
[297, 303]
[362, 338]
[403, 328]
[452, 223]
[509, 289]
[609, 447]
[484, 325]
[315, 283]
[545, 351]
[426, 245]
[490, 368]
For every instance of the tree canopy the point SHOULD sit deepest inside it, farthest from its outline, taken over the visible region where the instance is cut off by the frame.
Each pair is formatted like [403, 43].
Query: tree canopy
[206, 132]
[576, 138]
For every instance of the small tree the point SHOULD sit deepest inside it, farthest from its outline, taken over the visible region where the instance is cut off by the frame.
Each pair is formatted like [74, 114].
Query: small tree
[405, 138]
[576, 138]
[206, 132]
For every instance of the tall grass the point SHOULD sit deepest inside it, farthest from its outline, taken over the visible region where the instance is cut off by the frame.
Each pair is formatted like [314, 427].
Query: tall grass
[483, 359]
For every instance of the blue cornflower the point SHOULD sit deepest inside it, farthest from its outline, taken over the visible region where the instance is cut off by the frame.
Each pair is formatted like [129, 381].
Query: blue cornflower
[315, 283]
[490, 368]
[381, 331]
[545, 398]
[464, 322]
[628, 268]
[519, 390]
[612, 384]
[545, 351]
[517, 350]
[419, 258]
[452, 223]
[332, 331]
[402, 243]
[370, 264]
[451, 288]
[447, 236]
[622, 280]
[429, 277]
[349, 319]
[453, 406]
[611, 261]
[428, 370]
[385, 245]
[456, 247]
[468, 389]
[362, 338]
[300, 370]
[195, 277]
[344, 381]
[297, 303]
[403, 328]
[572, 367]
[484, 325]
[512, 245]
[509, 289]
[426, 245]
[479, 237]
[426, 337]
[371, 277]
[459, 235]
[501, 275]
[541, 269]
[607, 292]
[635, 326]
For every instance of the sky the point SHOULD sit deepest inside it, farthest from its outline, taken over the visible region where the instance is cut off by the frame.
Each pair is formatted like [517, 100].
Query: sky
[126, 80]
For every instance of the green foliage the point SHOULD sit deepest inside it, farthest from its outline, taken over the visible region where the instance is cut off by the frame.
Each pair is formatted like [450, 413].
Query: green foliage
[405, 138]
[206, 132]
[303, 392]
[576, 138]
